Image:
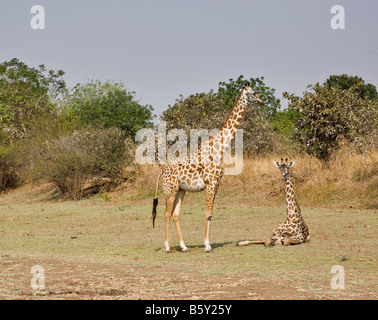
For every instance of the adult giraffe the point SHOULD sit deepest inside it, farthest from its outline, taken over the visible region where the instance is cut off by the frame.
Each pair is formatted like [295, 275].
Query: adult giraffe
[201, 170]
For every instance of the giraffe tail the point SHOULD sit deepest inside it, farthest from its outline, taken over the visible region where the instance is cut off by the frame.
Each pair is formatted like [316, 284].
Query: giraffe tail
[155, 201]
[154, 213]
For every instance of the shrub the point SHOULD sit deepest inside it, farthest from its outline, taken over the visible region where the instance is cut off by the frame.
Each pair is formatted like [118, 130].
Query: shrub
[10, 168]
[328, 116]
[87, 161]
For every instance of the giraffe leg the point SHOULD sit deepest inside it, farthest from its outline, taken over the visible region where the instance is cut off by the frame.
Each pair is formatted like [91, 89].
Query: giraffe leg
[293, 240]
[276, 238]
[210, 196]
[272, 242]
[208, 247]
[176, 216]
[167, 214]
[268, 242]
[166, 243]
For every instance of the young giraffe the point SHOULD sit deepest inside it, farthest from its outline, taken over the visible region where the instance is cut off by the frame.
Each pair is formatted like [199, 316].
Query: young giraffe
[294, 230]
[202, 170]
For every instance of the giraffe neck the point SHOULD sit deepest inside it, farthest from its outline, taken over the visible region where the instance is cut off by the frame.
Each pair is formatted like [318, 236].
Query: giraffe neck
[227, 131]
[291, 203]
[212, 151]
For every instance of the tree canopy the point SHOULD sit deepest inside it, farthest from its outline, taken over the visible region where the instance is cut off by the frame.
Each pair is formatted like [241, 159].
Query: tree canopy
[328, 115]
[209, 110]
[109, 105]
[26, 94]
[228, 91]
[345, 82]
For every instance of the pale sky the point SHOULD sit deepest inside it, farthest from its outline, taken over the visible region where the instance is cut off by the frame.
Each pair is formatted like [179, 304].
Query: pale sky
[164, 48]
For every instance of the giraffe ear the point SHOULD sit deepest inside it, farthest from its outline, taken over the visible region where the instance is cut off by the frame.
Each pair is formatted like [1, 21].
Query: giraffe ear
[276, 163]
[291, 164]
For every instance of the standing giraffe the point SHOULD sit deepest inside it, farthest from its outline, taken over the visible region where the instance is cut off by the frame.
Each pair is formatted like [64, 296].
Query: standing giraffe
[294, 230]
[201, 170]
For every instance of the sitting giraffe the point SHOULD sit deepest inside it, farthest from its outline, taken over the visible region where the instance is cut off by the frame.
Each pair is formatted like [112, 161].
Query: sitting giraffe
[202, 170]
[294, 230]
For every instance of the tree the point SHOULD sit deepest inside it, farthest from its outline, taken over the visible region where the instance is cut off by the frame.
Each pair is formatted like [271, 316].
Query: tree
[346, 82]
[329, 115]
[209, 111]
[109, 105]
[26, 94]
[229, 91]
[201, 110]
[283, 122]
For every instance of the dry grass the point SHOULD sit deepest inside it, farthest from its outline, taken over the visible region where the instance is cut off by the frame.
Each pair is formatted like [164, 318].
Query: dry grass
[349, 180]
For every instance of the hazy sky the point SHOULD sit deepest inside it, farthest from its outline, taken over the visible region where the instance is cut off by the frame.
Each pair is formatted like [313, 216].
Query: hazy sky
[162, 48]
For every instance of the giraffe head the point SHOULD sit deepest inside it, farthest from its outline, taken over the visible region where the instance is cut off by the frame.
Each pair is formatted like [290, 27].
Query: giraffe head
[251, 95]
[284, 167]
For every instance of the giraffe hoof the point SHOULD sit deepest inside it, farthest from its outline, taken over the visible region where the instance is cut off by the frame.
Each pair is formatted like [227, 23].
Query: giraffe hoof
[185, 250]
[209, 250]
[168, 251]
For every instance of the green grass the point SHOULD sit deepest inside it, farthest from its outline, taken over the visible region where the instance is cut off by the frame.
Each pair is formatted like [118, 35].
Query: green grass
[124, 234]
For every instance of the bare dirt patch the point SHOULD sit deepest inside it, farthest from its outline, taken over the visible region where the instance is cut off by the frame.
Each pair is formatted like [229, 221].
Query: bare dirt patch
[86, 280]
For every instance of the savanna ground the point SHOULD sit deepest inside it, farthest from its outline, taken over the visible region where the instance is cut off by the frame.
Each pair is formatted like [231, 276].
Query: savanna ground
[106, 248]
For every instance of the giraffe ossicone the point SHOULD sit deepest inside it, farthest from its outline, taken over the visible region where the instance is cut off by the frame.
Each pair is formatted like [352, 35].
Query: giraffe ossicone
[201, 170]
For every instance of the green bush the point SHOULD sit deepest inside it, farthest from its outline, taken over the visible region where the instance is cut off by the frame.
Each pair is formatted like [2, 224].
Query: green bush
[328, 116]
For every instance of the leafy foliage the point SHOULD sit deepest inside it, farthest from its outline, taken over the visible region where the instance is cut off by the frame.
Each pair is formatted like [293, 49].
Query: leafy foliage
[197, 111]
[109, 105]
[327, 116]
[229, 91]
[345, 82]
[283, 122]
[209, 111]
[26, 94]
